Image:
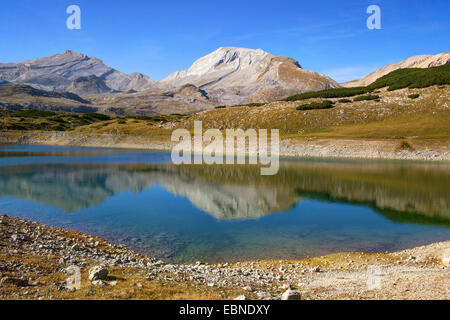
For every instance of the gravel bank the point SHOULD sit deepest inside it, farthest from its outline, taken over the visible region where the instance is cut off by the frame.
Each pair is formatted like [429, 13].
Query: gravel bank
[295, 147]
[34, 259]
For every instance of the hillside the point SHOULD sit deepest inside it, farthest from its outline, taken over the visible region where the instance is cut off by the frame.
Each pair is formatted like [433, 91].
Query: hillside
[392, 115]
[422, 61]
[406, 103]
[16, 97]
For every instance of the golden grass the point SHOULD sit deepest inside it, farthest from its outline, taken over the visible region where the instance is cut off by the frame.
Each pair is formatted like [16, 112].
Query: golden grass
[423, 126]
[131, 284]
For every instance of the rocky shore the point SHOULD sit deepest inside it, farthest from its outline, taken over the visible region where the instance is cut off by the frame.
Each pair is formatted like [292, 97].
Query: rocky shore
[395, 149]
[40, 262]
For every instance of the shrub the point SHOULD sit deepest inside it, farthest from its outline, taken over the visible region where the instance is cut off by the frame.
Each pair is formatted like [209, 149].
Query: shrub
[93, 117]
[326, 104]
[221, 107]
[15, 126]
[148, 118]
[31, 113]
[158, 119]
[405, 146]
[414, 78]
[414, 96]
[253, 104]
[59, 128]
[367, 97]
[330, 93]
[345, 101]
[43, 126]
[59, 120]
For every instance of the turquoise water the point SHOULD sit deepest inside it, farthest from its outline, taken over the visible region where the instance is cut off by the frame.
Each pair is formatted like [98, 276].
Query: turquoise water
[227, 213]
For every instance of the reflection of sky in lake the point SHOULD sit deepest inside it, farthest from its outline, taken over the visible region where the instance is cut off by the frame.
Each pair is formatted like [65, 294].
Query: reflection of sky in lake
[230, 212]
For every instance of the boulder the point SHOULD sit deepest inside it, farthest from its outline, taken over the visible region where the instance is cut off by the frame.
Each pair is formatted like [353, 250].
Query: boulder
[20, 238]
[446, 258]
[14, 281]
[291, 295]
[98, 273]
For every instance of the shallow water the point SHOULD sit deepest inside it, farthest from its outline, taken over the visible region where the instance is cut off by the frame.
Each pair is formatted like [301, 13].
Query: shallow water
[228, 213]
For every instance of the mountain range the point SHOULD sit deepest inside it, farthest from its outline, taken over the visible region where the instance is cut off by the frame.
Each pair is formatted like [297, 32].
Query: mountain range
[227, 76]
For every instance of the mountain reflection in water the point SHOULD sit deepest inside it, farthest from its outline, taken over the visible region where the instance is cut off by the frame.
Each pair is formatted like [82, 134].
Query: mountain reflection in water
[416, 193]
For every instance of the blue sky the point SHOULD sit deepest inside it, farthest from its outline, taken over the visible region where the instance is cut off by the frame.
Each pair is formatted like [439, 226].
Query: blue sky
[160, 37]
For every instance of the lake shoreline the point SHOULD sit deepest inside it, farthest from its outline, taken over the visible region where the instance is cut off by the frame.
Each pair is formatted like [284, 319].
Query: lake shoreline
[33, 259]
[388, 149]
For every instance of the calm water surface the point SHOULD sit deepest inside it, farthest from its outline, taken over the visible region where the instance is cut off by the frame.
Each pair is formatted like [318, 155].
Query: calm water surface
[227, 213]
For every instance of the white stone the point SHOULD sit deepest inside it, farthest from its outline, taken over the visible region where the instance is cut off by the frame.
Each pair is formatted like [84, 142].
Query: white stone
[98, 273]
[291, 295]
[99, 283]
[446, 258]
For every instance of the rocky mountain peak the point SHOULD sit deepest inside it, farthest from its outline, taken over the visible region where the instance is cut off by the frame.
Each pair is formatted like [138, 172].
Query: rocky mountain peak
[223, 60]
[74, 54]
[233, 75]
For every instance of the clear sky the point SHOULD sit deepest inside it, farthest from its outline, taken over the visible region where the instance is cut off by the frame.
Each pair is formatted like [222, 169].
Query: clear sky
[160, 37]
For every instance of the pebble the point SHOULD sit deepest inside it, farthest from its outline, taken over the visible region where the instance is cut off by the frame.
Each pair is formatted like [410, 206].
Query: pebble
[262, 295]
[286, 287]
[99, 283]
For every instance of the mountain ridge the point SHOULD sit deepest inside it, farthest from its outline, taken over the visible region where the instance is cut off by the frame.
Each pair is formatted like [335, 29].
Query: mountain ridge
[59, 71]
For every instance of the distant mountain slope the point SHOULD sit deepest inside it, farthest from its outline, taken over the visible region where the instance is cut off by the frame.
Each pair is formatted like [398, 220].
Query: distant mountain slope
[422, 61]
[24, 89]
[89, 85]
[19, 96]
[60, 71]
[238, 75]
